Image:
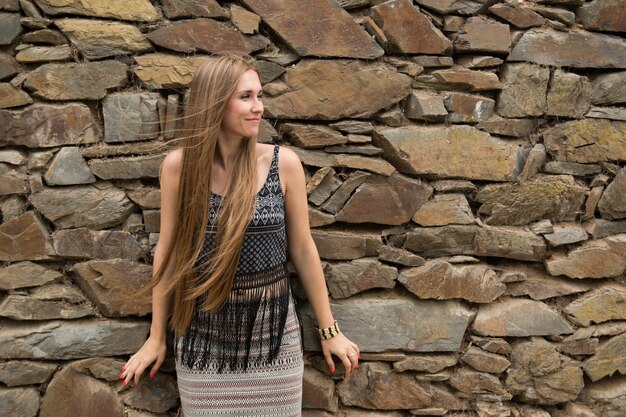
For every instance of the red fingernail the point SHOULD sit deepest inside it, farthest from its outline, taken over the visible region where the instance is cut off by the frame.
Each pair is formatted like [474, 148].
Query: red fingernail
[332, 370]
[151, 374]
[124, 382]
[124, 368]
[121, 376]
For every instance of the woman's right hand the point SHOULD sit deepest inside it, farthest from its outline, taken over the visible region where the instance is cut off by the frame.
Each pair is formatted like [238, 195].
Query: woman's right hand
[153, 350]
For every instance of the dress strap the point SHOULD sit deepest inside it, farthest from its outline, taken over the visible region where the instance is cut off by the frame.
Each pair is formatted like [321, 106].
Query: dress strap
[274, 164]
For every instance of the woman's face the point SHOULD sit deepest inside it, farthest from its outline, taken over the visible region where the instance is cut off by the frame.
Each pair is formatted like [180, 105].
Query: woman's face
[244, 109]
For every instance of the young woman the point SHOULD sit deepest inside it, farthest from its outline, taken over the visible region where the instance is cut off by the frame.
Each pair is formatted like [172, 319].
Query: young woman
[231, 211]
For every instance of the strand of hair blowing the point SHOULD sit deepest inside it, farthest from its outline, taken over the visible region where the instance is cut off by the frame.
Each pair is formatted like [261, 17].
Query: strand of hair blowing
[210, 90]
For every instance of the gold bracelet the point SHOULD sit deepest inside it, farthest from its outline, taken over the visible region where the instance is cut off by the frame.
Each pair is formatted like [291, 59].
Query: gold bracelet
[329, 332]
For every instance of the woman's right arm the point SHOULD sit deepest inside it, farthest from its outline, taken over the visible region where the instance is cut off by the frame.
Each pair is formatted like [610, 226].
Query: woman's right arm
[153, 350]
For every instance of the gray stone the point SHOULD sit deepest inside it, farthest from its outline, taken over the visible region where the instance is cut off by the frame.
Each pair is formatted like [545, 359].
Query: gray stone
[446, 186]
[442, 281]
[311, 136]
[607, 15]
[428, 61]
[472, 384]
[127, 167]
[578, 49]
[83, 206]
[46, 304]
[566, 234]
[481, 34]
[402, 322]
[425, 363]
[347, 279]
[599, 228]
[68, 168]
[14, 182]
[524, 91]
[456, 151]
[13, 157]
[26, 274]
[609, 88]
[71, 339]
[571, 168]
[87, 81]
[12, 97]
[10, 27]
[399, 256]
[318, 391]
[45, 126]
[318, 218]
[598, 306]
[130, 117]
[88, 244]
[521, 17]
[607, 397]
[339, 245]
[508, 127]
[15, 373]
[322, 159]
[484, 361]
[519, 317]
[462, 7]
[458, 78]
[8, 66]
[19, 402]
[46, 36]
[535, 160]
[391, 200]
[612, 205]
[611, 113]
[193, 8]
[157, 394]
[569, 95]
[356, 127]
[473, 61]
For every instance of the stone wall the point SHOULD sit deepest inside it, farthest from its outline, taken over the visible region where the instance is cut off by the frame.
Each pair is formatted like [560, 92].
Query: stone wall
[465, 168]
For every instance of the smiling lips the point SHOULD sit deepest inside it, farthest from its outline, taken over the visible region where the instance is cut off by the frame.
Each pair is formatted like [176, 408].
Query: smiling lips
[254, 120]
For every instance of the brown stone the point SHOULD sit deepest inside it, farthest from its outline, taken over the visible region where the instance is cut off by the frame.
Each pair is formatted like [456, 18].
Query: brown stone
[24, 238]
[97, 39]
[47, 36]
[37, 54]
[135, 10]
[346, 279]
[569, 95]
[508, 127]
[472, 384]
[519, 317]
[12, 97]
[463, 7]
[425, 363]
[458, 78]
[323, 31]
[566, 234]
[68, 168]
[15, 373]
[444, 209]
[593, 259]
[556, 14]
[322, 159]
[204, 35]
[607, 397]
[609, 88]
[19, 402]
[524, 91]
[492, 345]
[574, 410]
[83, 206]
[578, 49]
[425, 105]
[408, 30]
[26, 274]
[603, 304]
[612, 205]
[88, 244]
[10, 27]
[540, 375]
[127, 168]
[391, 200]
[610, 113]
[481, 34]
[547, 197]
[338, 245]
[401, 322]
[484, 361]
[166, 71]
[318, 218]
[609, 358]
[245, 21]
[112, 285]
[539, 285]
[88, 81]
[441, 241]
[157, 394]
[509, 242]
[587, 141]
[607, 15]
[318, 391]
[571, 168]
[477, 61]
[599, 228]
[442, 281]
[70, 339]
[446, 186]
[356, 127]
[520, 17]
[71, 392]
[467, 108]
[8, 66]
[342, 194]
[399, 256]
[13, 182]
[456, 151]
[311, 136]
[48, 302]
[44, 126]
[376, 386]
[324, 90]
[192, 8]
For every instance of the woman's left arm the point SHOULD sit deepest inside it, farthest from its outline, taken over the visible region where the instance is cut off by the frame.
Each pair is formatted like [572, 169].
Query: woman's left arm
[305, 258]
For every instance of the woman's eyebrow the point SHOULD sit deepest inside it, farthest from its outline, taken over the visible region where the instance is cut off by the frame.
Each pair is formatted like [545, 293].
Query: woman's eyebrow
[247, 91]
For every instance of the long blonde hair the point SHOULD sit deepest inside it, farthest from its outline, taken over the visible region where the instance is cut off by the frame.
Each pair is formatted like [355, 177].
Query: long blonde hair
[213, 85]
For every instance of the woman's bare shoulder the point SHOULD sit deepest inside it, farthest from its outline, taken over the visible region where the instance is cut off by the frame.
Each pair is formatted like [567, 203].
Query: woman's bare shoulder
[172, 164]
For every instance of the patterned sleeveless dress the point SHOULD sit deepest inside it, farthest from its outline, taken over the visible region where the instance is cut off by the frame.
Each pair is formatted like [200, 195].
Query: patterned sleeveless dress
[246, 359]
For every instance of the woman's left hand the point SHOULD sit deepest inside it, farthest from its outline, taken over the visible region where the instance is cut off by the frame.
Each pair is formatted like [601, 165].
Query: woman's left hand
[344, 349]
